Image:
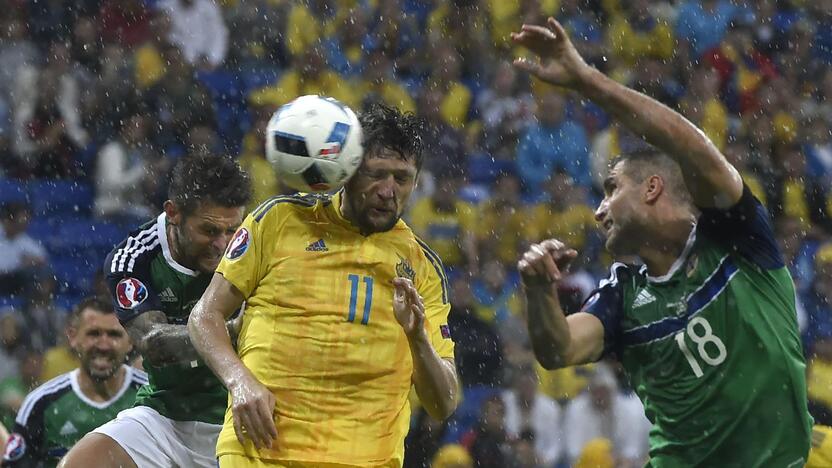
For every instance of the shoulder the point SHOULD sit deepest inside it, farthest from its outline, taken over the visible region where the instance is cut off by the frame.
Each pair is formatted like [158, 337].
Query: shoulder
[301, 202]
[620, 274]
[37, 400]
[426, 263]
[134, 252]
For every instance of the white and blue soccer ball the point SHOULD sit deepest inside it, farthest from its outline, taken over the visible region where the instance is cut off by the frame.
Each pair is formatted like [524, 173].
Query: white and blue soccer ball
[314, 143]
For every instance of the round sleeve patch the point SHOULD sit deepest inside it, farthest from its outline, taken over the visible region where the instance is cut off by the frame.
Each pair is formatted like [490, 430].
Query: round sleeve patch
[238, 245]
[130, 292]
[15, 448]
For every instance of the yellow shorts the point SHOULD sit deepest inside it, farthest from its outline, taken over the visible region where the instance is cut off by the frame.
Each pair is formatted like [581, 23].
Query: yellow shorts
[231, 460]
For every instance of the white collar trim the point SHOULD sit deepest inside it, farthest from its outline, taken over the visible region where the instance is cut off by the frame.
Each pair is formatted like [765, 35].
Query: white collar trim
[76, 387]
[679, 261]
[163, 239]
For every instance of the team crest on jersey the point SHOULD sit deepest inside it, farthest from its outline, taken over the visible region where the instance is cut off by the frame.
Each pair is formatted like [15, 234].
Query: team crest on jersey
[446, 331]
[130, 292]
[404, 269]
[239, 244]
[15, 448]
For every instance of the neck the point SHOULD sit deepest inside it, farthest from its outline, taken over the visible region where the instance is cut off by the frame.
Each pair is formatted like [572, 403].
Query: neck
[660, 254]
[175, 250]
[103, 390]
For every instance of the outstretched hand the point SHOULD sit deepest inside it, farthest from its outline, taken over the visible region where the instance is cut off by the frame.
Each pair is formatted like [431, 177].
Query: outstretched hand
[557, 61]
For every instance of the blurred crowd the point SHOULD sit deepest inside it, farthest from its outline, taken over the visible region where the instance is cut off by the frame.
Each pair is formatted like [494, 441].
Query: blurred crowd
[98, 98]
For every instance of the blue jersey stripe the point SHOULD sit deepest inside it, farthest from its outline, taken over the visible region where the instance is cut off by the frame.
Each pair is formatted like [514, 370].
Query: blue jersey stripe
[696, 302]
[438, 266]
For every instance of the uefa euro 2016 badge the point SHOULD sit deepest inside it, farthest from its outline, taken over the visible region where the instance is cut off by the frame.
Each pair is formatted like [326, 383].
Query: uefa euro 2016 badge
[130, 292]
[238, 245]
[15, 448]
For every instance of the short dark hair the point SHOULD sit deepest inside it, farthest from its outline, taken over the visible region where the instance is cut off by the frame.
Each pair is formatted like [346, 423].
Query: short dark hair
[13, 209]
[97, 303]
[644, 163]
[199, 178]
[387, 127]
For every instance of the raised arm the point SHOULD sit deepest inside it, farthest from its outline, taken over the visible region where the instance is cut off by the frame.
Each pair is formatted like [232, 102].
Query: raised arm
[557, 340]
[710, 178]
[252, 404]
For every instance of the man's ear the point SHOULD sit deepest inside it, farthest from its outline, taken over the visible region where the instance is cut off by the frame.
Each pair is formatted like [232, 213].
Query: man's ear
[654, 187]
[172, 212]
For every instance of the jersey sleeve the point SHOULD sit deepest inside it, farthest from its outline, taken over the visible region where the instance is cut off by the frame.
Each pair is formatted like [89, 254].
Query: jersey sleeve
[244, 261]
[432, 284]
[745, 229]
[129, 283]
[607, 304]
[25, 447]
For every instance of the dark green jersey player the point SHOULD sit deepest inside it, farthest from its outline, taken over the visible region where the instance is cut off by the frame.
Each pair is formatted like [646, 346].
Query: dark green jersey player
[156, 276]
[706, 329]
[58, 413]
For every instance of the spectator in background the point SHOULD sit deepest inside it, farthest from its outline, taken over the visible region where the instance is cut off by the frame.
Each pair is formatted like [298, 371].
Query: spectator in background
[503, 220]
[86, 46]
[488, 442]
[603, 411]
[446, 223]
[17, 52]
[636, 32]
[22, 256]
[702, 106]
[530, 412]
[478, 355]
[198, 29]
[121, 168]
[445, 77]
[443, 143]
[309, 74]
[346, 50]
[47, 116]
[700, 25]
[496, 292]
[264, 182]
[126, 22]
[378, 84]
[504, 110]
[42, 318]
[553, 142]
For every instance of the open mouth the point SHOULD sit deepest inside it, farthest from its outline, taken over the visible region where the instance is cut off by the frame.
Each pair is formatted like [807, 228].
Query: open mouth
[607, 225]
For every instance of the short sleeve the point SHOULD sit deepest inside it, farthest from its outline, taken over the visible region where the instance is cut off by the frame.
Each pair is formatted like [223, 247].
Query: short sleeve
[131, 289]
[745, 228]
[242, 262]
[432, 285]
[606, 303]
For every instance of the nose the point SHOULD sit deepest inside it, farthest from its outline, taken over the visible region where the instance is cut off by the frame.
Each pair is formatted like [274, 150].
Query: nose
[387, 188]
[104, 343]
[601, 211]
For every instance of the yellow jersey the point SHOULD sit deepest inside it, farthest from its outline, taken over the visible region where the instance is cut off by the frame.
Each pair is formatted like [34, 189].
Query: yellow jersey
[320, 333]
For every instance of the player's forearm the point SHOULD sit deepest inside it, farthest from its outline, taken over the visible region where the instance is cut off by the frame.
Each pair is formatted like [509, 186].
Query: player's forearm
[212, 340]
[708, 173]
[168, 344]
[435, 379]
[548, 328]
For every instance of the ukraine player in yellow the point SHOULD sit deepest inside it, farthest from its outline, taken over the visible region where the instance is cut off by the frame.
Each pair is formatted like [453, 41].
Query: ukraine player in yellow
[345, 310]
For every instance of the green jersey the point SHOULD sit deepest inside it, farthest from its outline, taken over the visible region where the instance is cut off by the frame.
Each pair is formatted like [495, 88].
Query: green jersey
[56, 415]
[143, 276]
[712, 347]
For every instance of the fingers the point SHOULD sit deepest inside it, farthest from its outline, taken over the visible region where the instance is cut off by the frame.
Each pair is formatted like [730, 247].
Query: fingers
[555, 26]
[533, 29]
[547, 260]
[265, 414]
[527, 65]
[238, 425]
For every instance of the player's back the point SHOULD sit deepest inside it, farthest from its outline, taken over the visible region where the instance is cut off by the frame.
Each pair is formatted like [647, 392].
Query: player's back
[143, 276]
[319, 331]
[713, 351]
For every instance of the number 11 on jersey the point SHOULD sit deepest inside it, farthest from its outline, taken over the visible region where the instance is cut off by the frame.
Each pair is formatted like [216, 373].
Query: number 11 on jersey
[368, 297]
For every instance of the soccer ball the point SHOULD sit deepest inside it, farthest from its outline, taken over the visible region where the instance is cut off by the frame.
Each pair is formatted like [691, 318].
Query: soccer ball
[314, 143]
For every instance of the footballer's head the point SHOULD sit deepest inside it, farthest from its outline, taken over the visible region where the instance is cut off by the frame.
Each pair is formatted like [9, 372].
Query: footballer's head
[205, 206]
[375, 197]
[98, 338]
[640, 191]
